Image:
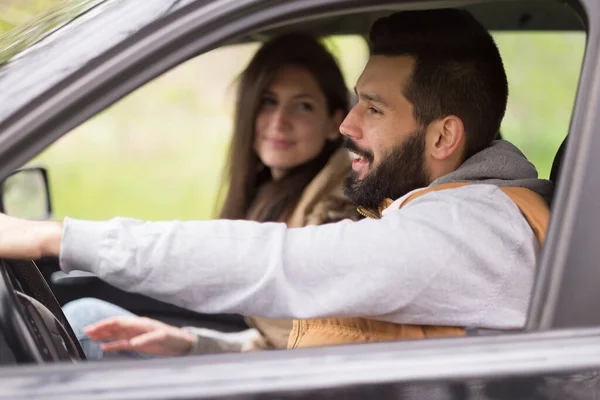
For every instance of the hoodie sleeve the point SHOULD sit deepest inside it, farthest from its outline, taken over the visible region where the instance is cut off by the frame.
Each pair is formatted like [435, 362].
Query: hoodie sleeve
[460, 257]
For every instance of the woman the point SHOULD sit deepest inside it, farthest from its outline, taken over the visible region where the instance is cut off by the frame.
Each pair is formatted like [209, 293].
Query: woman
[285, 165]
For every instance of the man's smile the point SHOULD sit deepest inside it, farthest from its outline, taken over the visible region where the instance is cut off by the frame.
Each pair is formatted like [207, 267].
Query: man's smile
[360, 164]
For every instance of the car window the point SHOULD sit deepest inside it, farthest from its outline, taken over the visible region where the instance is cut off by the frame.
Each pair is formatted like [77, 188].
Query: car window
[158, 153]
[543, 72]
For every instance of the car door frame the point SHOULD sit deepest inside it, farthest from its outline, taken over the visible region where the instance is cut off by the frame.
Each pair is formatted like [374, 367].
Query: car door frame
[195, 28]
[566, 283]
[532, 362]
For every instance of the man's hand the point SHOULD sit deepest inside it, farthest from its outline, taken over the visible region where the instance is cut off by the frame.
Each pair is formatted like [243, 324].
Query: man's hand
[23, 239]
[141, 334]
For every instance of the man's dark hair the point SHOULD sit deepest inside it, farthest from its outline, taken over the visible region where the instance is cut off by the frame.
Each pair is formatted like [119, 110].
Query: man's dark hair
[458, 69]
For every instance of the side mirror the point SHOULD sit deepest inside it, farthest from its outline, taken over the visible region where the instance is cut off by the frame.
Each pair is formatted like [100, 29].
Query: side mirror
[26, 194]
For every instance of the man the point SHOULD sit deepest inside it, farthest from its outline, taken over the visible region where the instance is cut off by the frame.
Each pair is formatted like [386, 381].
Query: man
[462, 217]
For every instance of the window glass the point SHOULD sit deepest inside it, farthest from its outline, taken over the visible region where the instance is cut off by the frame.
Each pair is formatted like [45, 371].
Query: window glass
[158, 154]
[543, 72]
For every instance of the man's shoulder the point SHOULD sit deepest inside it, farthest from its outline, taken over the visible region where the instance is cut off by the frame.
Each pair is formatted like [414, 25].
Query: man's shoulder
[484, 203]
[445, 194]
[462, 191]
[466, 202]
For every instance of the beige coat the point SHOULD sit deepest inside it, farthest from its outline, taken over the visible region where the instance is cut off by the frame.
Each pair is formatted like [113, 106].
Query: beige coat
[322, 202]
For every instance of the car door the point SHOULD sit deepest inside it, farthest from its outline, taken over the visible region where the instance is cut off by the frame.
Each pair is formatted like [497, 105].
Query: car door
[521, 365]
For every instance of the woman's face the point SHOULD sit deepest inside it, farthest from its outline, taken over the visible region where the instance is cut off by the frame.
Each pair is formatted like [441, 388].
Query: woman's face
[293, 123]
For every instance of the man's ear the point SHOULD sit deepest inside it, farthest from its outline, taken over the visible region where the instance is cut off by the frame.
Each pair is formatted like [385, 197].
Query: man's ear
[447, 138]
[336, 121]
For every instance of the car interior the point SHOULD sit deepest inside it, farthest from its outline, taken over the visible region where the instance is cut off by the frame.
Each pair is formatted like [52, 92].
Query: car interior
[38, 293]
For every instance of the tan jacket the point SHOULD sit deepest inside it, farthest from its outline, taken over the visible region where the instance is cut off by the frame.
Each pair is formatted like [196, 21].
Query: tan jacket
[332, 331]
[322, 202]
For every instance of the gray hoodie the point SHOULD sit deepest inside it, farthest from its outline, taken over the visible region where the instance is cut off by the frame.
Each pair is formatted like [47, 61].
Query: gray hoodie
[501, 164]
[462, 257]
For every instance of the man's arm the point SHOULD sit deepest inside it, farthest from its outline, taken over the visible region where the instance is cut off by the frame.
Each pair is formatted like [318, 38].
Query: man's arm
[459, 257]
[22, 239]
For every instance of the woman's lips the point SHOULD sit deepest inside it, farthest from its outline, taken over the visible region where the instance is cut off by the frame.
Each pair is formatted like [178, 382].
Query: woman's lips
[280, 144]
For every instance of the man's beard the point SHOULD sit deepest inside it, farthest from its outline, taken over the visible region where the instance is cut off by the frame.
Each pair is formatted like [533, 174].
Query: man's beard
[400, 171]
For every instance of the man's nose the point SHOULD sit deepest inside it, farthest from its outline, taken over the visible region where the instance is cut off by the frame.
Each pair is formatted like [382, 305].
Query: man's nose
[351, 125]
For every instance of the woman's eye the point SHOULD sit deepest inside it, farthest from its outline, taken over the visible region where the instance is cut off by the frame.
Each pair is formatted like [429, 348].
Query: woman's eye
[304, 106]
[268, 102]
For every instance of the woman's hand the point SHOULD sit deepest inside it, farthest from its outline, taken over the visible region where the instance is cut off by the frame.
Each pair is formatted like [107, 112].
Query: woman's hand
[141, 334]
[23, 239]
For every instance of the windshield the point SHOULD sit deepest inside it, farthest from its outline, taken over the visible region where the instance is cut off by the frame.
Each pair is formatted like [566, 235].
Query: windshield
[17, 39]
[62, 47]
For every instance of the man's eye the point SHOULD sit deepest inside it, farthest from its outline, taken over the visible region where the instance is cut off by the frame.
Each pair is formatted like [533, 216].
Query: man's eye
[373, 110]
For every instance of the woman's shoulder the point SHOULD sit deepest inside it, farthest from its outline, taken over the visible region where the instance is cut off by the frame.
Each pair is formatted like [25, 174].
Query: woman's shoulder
[323, 201]
[332, 208]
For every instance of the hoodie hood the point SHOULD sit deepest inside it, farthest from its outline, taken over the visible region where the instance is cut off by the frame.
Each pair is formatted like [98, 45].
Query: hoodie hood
[501, 164]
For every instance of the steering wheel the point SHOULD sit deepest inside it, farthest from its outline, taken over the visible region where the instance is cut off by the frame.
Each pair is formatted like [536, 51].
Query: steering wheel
[31, 318]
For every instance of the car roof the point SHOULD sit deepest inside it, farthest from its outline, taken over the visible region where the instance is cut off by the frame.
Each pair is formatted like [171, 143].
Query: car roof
[93, 27]
[515, 15]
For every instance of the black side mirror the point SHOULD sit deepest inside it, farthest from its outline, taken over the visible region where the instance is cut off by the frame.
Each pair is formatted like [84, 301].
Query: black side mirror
[26, 194]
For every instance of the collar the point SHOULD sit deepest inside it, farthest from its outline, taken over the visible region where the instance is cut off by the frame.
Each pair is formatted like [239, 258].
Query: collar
[398, 203]
[386, 205]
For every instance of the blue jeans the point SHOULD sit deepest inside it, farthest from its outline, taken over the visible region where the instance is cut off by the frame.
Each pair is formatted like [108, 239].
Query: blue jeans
[87, 311]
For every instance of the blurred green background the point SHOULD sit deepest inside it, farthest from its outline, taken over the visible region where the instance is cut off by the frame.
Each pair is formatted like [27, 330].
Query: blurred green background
[158, 153]
[17, 12]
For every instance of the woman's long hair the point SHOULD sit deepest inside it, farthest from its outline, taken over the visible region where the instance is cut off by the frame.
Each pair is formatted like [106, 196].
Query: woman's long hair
[245, 172]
